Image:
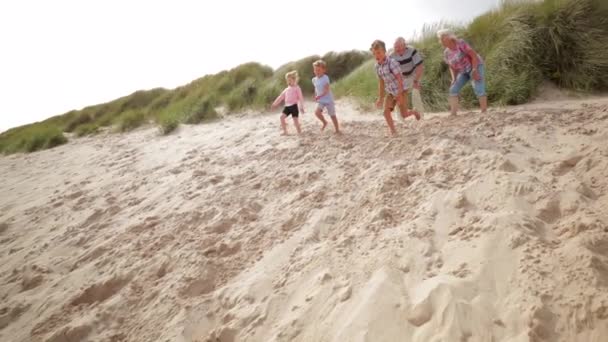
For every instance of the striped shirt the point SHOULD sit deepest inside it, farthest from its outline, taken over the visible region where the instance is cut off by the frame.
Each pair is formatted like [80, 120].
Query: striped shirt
[408, 61]
[388, 70]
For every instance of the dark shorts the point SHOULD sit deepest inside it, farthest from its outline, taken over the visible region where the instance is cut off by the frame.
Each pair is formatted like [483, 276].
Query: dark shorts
[390, 102]
[291, 110]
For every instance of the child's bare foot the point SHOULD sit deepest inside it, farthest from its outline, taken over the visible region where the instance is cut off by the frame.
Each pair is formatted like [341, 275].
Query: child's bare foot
[324, 125]
[416, 114]
[284, 133]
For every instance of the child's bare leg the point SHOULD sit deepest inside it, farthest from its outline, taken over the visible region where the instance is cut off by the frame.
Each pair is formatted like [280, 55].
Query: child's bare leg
[296, 122]
[319, 114]
[389, 121]
[413, 112]
[483, 103]
[284, 124]
[388, 115]
[334, 120]
[404, 108]
[453, 105]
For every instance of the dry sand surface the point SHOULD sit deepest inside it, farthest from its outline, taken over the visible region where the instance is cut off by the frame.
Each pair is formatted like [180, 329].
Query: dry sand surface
[472, 228]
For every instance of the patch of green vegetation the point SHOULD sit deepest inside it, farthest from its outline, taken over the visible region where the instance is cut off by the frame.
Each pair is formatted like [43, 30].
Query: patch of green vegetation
[88, 129]
[167, 123]
[31, 138]
[130, 120]
[522, 42]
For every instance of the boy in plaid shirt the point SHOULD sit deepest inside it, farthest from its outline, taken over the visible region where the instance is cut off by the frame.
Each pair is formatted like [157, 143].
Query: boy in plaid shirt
[390, 83]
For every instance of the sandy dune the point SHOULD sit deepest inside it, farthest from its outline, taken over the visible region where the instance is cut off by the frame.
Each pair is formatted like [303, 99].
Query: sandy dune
[462, 229]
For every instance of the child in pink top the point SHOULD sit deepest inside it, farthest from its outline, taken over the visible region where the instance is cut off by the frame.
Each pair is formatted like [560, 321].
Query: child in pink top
[294, 102]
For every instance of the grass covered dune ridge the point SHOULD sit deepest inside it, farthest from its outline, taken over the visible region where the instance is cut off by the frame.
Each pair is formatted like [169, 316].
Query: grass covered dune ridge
[524, 43]
[249, 85]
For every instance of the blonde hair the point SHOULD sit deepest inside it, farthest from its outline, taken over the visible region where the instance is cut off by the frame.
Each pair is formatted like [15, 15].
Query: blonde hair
[320, 63]
[378, 45]
[446, 33]
[292, 75]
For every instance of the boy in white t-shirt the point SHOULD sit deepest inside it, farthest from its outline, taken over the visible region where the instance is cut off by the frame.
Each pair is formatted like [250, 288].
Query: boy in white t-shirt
[323, 95]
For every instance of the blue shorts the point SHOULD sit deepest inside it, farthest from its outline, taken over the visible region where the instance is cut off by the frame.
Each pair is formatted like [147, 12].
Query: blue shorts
[478, 86]
[331, 108]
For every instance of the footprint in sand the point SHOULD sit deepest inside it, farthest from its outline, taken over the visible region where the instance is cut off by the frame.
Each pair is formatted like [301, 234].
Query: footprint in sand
[194, 287]
[100, 292]
[221, 227]
[216, 179]
[30, 282]
[549, 210]
[462, 271]
[223, 334]
[568, 164]
[223, 249]
[507, 166]
[3, 227]
[9, 315]
[71, 333]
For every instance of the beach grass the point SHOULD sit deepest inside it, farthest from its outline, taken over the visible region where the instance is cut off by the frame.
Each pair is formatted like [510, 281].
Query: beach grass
[523, 43]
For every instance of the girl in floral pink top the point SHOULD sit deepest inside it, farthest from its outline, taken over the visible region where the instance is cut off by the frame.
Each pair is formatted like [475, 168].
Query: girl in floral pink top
[294, 102]
[465, 65]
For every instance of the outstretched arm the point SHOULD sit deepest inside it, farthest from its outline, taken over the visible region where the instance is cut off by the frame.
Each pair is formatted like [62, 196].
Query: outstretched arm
[278, 99]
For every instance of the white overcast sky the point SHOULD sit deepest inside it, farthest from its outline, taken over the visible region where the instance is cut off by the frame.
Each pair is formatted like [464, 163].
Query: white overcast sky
[66, 54]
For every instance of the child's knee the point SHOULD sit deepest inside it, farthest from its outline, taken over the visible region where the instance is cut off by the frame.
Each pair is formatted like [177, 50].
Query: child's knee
[479, 89]
[454, 91]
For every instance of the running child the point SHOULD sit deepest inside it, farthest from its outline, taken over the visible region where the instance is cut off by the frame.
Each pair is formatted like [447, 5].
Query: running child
[294, 102]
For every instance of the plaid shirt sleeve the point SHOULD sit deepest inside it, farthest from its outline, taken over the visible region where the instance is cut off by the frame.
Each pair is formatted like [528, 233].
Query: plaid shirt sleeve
[395, 67]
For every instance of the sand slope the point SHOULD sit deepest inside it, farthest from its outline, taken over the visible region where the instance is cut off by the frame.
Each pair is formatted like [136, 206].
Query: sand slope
[461, 229]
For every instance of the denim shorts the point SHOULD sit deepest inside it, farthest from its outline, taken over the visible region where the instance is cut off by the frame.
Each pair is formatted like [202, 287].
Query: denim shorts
[478, 86]
[331, 108]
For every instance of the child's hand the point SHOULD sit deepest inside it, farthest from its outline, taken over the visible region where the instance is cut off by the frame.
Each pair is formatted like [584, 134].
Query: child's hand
[379, 103]
[476, 75]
